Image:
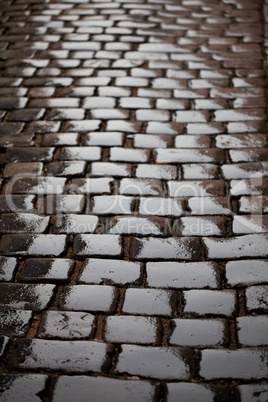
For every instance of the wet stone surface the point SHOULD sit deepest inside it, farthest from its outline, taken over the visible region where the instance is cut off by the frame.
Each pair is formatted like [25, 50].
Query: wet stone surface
[138, 360]
[133, 201]
[60, 355]
[28, 297]
[65, 325]
[88, 298]
[98, 271]
[132, 329]
[27, 386]
[68, 388]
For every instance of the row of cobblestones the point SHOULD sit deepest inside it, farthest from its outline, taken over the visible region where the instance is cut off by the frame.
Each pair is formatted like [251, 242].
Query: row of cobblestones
[134, 199]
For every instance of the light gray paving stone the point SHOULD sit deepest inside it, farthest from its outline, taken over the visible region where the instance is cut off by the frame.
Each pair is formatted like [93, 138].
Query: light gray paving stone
[153, 362]
[252, 330]
[202, 333]
[253, 245]
[245, 364]
[256, 298]
[180, 275]
[69, 388]
[246, 272]
[65, 325]
[98, 271]
[217, 302]
[69, 356]
[148, 302]
[253, 392]
[23, 387]
[132, 329]
[88, 298]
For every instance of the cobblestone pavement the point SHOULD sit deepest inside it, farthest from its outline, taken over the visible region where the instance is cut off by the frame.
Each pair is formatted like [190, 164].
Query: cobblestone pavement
[133, 197]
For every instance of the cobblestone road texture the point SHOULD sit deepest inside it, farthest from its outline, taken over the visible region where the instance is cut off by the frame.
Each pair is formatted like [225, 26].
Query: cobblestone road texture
[134, 195]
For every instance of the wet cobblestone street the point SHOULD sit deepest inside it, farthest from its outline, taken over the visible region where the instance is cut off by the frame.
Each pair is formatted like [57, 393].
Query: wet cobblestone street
[133, 201]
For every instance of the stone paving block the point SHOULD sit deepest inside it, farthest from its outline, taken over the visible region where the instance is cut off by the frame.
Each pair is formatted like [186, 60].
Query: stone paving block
[170, 248]
[88, 298]
[189, 392]
[135, 103]
[132, 329]
[196, 188]
[65, 325]
[253, 392]
[16, 203]
[248, 155]
[200, 171]
[253, 204]
[154, 362]
[68, 356]
[7, 268]
[245, 170]
[49, 269]
[250, 187]
[23, 223]
[128, 155]
[192, 141]
[202, 333]
[139, 226]
[165, 172]
[188, 116]
[14, 322]
[82, 126]
[158, 127]
[24, 140]
[160, 206]
[256, 298]
[104, 271]
[151, 141]
[25, 296]
[14, 155]
[241, 141]
[205, 128]
[205, 226]
[94, 245]
[217, 302]
[246, 272]
[60, 139]
[23, 387]
[111, 169]
[244, 364]
[66, 168]
[65, 203]
[188, 155]
[80, 153]
[149, 302]
[90, 186]
[180, 275]
[104, 139]
[31, 169]
[37, 185]
[209, 205]
[70, 388]
[252, 331]
[243, 224]
[72, 223]
[140, 187]
[112, 205]
[171, 104]
[33, 245]
[254, 245]
[255, 126]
